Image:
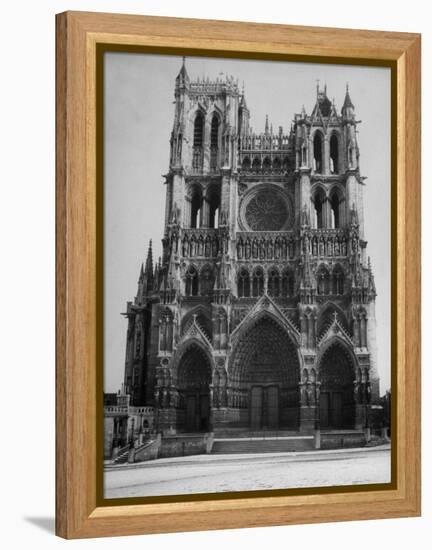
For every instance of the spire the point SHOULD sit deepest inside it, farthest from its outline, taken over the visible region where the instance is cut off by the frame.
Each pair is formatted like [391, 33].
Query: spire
[148, 270]
[141, 285]
[182, 79]
[266, 128]
[348, 107]
[149, 261]
[333, 112]
[141, 276]
[157, 271]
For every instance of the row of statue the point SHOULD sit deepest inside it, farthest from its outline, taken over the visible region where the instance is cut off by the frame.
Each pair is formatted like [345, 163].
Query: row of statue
[266, 248]
[208, 246]
[327, 246]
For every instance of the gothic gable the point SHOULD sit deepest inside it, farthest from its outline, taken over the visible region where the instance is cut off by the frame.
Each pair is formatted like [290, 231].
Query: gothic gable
[264, 306]
[194, 332]
[336, 329]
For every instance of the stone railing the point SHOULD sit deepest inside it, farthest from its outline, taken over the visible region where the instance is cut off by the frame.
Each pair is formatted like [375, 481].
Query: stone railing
[251, 143]
[115, 410]
[146, 411]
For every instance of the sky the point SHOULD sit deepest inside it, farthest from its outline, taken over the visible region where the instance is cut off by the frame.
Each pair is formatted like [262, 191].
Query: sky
[139, 110]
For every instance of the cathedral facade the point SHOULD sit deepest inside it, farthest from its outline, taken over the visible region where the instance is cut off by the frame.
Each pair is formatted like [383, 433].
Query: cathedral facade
[261, 312]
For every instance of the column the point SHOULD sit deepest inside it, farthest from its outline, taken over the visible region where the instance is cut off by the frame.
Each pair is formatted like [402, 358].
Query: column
[205, 213]
[326, 159]
[169, 334]
[303, 328]
[310, 331]
[187, 213]
[357, 342]
[363, 342]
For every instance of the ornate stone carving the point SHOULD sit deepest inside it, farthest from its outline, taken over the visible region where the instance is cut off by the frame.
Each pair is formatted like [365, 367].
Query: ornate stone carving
[266, 212]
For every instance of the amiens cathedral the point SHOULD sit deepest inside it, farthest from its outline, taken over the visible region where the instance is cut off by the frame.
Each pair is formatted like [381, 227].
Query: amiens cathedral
[260, 313]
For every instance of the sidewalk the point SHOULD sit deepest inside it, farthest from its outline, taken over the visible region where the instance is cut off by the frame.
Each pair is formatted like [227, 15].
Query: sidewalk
[221, 458]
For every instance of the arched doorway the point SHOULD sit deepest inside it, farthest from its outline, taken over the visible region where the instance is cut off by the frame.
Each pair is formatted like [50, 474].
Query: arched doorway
[337, 375]
[264, 378]
[194, 377]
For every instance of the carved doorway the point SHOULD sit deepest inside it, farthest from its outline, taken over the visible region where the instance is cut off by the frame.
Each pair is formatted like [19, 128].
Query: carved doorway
[264, 407]
[337, 375]
[265, 370]
[194, 377]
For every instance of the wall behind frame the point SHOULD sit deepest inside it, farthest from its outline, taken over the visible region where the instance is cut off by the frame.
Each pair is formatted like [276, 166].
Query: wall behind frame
[27, 289]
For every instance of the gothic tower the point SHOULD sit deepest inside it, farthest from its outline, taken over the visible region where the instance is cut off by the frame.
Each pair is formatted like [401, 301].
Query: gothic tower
[260, 313]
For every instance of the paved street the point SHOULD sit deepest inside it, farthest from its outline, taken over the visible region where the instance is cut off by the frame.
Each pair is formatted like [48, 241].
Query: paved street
[210, 473]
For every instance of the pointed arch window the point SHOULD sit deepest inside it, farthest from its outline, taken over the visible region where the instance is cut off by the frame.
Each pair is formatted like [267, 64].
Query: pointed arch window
[256, 164]
[213, 199]
[243, 284]
[266, 166]
[287, 283]
[196, 201]
[246, 164]
[206, 281]
[197, 158]
[323, 281]
[335, 211]
[214, 142]
[274, 283]
[318, 152]
[258, 282]
[338, 281]
[191, 282]
[334, 154]
[319, 201]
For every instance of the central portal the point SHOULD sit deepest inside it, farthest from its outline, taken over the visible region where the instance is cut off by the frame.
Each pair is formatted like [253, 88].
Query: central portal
[264, 407]
[264, 378]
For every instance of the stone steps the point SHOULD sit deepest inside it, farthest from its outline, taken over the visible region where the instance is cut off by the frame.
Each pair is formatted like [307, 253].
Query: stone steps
[122, 458]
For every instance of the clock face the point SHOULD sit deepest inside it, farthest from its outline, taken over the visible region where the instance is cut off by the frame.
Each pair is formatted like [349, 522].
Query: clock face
[267, 211]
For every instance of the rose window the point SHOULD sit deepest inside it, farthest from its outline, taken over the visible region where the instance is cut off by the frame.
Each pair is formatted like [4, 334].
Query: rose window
[266, 211]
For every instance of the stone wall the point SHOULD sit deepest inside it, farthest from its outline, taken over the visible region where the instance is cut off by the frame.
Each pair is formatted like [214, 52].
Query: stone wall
[177, 445]
[347, 440]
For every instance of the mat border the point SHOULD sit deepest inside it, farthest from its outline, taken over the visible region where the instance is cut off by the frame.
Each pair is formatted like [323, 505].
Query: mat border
[82, 40]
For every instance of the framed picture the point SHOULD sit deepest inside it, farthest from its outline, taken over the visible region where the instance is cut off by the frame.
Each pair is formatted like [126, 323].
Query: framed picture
[238, 274]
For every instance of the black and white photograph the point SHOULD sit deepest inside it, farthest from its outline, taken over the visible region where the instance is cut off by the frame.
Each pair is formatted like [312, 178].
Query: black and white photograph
[247, 275]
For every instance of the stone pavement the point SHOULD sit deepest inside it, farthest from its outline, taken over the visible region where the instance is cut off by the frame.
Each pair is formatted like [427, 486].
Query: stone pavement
[219, 473]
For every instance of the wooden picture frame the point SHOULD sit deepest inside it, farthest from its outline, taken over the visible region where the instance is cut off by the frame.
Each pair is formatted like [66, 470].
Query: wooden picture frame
[80, 37]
